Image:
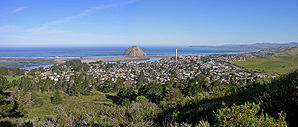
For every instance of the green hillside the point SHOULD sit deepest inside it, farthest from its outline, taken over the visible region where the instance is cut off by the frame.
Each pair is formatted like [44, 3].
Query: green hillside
[278, 65]
[283, 61]
[262, 103]
[279, 95]
[287, 52]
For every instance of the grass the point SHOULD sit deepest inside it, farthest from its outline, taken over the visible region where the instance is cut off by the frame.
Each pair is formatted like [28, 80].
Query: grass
[287, 52]
[283, 61]
[16, 77]
[95, 101]
[269, 65]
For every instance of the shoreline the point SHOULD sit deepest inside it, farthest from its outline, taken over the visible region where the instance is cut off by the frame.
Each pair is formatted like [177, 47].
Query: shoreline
[106, 59]
[84, 60]
[5, 61]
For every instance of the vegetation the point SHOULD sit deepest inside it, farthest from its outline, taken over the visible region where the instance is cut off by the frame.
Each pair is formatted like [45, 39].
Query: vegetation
[11, 71]
[278, 95]
[83, 100]
[284, 60]
[77, 65]
[56, 99]
[11, 78]
[247, 115]
[8, 107]
[269, 64]
[286, 52]
[5, 63]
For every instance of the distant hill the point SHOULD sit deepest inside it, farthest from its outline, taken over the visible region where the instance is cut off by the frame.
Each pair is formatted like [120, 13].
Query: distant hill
[286, 52]
[283, 60]
[254, 46]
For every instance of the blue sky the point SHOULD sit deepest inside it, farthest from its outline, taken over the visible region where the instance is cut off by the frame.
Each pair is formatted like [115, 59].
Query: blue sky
[147, 22]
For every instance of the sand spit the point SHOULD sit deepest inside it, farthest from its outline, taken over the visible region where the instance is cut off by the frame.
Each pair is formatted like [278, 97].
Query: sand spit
[84, 60]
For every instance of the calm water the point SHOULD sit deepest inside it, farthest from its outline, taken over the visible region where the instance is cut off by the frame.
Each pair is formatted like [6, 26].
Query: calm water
[95, 52]
[98, 52]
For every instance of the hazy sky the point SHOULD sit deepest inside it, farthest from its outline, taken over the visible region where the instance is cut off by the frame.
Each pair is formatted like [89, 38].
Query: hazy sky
[147, 22]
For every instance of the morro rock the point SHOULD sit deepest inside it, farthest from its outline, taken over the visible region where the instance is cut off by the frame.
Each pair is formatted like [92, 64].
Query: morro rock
[134, 51]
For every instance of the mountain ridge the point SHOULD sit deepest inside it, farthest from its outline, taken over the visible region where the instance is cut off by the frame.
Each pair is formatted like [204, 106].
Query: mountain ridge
[252, 46]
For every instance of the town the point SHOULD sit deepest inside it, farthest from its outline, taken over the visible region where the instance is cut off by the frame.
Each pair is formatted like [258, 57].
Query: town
[214, 67]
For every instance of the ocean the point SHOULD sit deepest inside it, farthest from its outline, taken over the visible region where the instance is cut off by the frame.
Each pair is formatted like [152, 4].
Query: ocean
[96, 52]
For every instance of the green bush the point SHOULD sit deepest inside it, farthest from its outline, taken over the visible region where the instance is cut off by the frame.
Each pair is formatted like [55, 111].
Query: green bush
[247, 115]
[141, 99]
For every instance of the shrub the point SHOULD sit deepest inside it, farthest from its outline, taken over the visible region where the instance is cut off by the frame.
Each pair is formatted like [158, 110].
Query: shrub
[247, 115]
[141, 99]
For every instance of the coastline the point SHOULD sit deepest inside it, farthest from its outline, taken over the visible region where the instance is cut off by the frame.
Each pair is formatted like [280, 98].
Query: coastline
[111, 58]
[105, 59]
[29, 63]
[84, 60]
[35, 62]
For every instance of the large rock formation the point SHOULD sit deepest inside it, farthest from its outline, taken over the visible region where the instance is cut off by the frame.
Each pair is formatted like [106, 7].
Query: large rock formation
[134, 51]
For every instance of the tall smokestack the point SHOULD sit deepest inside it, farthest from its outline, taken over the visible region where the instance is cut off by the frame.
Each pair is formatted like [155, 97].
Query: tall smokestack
[176, 54]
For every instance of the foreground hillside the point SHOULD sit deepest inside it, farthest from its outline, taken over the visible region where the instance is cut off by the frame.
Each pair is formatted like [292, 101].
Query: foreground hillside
[282, 61]
[31, 101]
[253, 105]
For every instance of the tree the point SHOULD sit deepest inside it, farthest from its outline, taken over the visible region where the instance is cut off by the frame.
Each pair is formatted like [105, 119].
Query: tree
[3, 70]
[84, 67]
[125, 102]
[85, 88]
[8, 108]
[74, 62]
[141, 99]
[152, 91]
[37, 102]
[173, 73]
[128, 93]
[73, 90]
[140, 80]
[172, 94]
[119, 84]
[108, 86]
[3, 83]
[56, 99]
